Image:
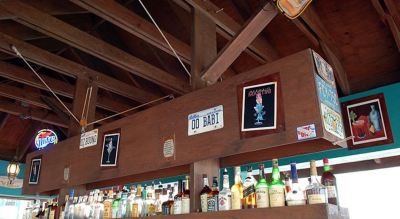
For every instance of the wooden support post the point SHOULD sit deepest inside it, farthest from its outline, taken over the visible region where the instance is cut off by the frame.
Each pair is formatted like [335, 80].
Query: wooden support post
[204, 43]
[79, 101]
[197, 169]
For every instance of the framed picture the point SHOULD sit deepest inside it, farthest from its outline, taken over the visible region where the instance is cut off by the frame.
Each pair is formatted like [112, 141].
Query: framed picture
[260, 106]
[368, 121]
[34, 174]
[109, 153]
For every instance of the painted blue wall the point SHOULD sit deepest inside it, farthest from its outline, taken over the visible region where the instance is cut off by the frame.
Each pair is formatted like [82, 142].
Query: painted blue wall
[3, 172]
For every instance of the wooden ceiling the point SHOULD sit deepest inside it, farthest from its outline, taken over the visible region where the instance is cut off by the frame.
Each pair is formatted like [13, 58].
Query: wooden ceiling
[116, 45]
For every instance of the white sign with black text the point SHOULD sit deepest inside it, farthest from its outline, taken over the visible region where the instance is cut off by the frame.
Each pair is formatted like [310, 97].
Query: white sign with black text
[206, 120]
[89, 139]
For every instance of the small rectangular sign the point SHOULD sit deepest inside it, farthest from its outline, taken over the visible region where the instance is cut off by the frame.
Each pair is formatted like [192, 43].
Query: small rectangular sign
[333, 122]
[306, 132]
[324, 69]
[206, 120]
[89, 139]
[327, 94]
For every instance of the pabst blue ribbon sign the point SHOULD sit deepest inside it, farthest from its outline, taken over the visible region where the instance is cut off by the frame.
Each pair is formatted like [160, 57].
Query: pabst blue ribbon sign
[45, 137]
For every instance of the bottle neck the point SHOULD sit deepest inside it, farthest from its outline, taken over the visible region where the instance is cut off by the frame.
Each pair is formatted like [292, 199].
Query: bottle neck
[225, 183]
[327, 167]
[238, 178]
[205, 181]
[186, 187]
[275, 174]
[261, 174]
[293, 173]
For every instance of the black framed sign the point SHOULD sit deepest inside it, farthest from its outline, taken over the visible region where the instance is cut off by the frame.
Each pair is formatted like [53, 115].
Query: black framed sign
[109, 153]
[260, 106]
[34, 174]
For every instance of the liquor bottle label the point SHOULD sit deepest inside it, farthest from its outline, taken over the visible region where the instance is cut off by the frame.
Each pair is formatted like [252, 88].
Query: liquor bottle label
[178, 206]
[185, 205]
[249, 191]
[203, 200]
[224, 202]
[331, 191]
[212, 203]
[236, 200]
[151, 209]
[135, 210]
[51, 214]
[107, 210]
[262, 199]
[277, 197]
[316, 199]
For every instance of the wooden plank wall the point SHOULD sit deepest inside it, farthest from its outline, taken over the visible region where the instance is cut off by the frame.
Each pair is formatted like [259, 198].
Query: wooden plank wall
[142, 134]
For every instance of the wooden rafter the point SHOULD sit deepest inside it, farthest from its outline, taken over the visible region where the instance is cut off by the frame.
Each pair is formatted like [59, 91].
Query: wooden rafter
[3, 119]
[24, 76]
[72, 36]
[260, 48]
[127, 20]
[312, 27]
[241, 40]
[26, 140]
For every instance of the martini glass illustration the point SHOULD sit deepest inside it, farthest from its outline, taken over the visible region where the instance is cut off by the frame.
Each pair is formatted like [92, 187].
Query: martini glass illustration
[110, 148]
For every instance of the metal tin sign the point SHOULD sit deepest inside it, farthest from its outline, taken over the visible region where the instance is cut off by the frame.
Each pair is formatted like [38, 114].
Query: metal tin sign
[324, 69]
[327, 94]
[306, 132]
[169, 148]
[44, 138]
[89, 139]
[206, 120]
[333, 122]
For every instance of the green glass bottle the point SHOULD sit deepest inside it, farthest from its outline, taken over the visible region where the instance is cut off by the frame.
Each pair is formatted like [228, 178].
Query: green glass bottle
[262, 199]
[277, 187]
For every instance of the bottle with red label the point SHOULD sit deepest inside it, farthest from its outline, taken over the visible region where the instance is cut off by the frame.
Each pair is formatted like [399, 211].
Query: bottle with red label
[329, 181]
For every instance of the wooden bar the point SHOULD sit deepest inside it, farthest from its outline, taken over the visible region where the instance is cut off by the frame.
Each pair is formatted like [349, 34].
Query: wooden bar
[142, 134]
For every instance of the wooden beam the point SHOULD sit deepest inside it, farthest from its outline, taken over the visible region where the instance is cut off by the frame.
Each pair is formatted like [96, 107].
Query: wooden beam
[328, 45]
[124, 18]
[34, 114]
[3, 119]
[72, 36]
[233, 49]
[26, 140]
[204, 43]
[394, 11]
[260, 48]
[25, 76]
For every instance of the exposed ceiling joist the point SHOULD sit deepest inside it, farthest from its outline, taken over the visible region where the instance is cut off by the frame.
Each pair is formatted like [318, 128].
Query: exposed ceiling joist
[241, 40]
[328, 45]
[72, 36]
[70, 68]
[24, 76]
[34, 114]
[260, 48]
[3, 119]
[127, 20]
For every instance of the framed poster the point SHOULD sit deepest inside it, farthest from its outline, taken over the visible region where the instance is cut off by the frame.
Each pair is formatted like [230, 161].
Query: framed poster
[260, 106]
[34, 173]
[109, 152]
[368, 121]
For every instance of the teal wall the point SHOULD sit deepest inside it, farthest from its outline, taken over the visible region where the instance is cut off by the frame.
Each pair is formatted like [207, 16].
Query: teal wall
[3, 172]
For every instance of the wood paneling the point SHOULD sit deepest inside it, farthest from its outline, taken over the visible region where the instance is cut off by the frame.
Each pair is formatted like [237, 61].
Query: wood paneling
[141, 142]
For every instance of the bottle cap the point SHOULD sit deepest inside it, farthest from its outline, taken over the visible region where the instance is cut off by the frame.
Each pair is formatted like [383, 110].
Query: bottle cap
[204, 175]
[225, 171]
[326, 161]
[275, 162]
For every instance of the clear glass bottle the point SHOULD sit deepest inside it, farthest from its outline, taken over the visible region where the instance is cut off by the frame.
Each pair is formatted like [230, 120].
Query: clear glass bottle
[186, 196]
[158, 202]
[123, 202]
[131, 197]
[167, 206]
[71, 208]
[237, 191]
[296, 195]
[316, 192]
[329, 181]
[107, 213]
[150, 202]
[137, 205]
[69, 200]
[212, 198]
[224, 198]
[277, 187]
[144, 198]
[88, 206]
[249, 190]
[99, 207]
[204, 193]
[178, 199]
[115, 210]
[262, 197]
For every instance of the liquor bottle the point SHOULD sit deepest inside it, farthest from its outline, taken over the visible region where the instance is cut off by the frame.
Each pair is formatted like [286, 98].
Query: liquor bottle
[150, 202]
[144, 199]
[295, 196]
[69, 199]
[123, 202]
[47, 207]
[204, 193]
[62, 208]
[212, 197]
[99, 207]
[288, 184]
[131, 197]
[115, 208]
[315, 191]
[158, 202]
[186, 196]
[178, 199]
[329, 181]
[167, 206]
[107, 213]
[249, 190]
[137, 205]
[224, 198]
[53, 209]
[71, 208]
[262, 198]
[237, 191]
[277, 187]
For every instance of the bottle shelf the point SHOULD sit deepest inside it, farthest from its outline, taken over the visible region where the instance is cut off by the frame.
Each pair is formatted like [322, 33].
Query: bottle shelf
[318, 211]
